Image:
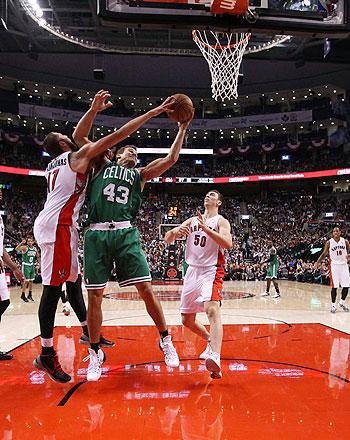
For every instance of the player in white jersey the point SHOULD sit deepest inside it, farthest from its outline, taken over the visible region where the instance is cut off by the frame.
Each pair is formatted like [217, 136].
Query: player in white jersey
[5, 260]
[55, 228]
[207, 236]
[339, 255]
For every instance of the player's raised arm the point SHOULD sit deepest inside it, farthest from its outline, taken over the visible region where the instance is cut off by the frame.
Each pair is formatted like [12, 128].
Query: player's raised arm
[180, 231]
[223, 237]
[157, 167]
[81, 159]
[323, 255]
[22, 247]
[84, 126]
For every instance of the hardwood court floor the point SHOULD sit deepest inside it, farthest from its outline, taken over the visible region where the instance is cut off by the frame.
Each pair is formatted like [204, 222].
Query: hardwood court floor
[285, 373]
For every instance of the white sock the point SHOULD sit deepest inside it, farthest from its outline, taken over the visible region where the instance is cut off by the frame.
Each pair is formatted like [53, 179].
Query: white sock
[341, 302]
[46, 342]
[333, 304]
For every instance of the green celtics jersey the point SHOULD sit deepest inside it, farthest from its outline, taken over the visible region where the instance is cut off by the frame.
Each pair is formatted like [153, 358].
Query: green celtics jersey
[273, 256]
[29, 256]
[114, 194]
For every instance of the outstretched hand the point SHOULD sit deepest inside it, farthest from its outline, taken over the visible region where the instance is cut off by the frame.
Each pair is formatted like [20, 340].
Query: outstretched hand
[184, 231]
[166, 106]
[184, 125]
[201, 221]
[100, 102]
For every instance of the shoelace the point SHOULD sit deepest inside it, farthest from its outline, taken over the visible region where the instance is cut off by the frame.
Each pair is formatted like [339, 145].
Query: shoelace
[169, 349]
[94, 363]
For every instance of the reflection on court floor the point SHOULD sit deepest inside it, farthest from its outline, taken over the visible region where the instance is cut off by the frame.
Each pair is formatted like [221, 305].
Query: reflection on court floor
[287, 381]
[171, 294]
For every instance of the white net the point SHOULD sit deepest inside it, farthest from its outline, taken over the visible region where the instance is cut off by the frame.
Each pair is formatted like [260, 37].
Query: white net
[223, 53]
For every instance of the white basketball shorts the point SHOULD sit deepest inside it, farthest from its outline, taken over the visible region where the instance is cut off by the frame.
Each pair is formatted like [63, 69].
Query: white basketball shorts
[201, 284]
[339, 275]
[59, 260]
[4, 290]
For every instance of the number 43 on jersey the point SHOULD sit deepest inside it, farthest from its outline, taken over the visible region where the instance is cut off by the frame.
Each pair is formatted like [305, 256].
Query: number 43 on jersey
[118, 195]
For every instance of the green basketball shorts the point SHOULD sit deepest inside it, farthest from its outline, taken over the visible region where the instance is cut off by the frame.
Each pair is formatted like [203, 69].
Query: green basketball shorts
[28, 272]
[102, 248]
[272, 271]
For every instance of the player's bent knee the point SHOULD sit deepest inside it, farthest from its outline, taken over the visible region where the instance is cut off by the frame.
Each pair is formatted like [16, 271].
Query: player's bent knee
[144, 289]
[95, 295]
[212, 310]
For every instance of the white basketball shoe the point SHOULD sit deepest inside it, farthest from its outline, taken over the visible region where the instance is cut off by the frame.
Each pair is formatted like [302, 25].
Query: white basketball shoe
[344, 307]
[96, 360]
[66, 309]
[206, 353]
[170, 355]
[212, 364]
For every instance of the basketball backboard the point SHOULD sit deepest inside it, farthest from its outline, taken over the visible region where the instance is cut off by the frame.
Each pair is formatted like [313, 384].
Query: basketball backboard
[314, 17]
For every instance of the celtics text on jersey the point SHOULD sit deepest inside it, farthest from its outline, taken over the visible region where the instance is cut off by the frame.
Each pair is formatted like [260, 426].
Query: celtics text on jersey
[114, 194]
[29, 256]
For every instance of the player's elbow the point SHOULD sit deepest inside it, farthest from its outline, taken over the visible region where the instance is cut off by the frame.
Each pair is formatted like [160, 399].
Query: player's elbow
[171, 160]
[228, 244]
[76, 137]
[80, 141]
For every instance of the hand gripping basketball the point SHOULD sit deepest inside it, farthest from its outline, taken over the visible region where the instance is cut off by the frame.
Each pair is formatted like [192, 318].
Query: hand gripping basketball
[183, 108]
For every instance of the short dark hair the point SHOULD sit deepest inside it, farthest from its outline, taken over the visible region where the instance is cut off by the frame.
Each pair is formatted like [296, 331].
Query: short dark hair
[51, 144]
[220, 196]
[122, 149]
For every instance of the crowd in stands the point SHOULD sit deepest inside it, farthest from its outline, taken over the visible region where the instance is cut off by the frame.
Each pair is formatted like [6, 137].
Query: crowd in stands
[294, 222]
[24, 155]
[125, 106]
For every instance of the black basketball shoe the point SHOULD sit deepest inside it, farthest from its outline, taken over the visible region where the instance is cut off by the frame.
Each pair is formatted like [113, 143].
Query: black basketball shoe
[52, 366]
[84, 339]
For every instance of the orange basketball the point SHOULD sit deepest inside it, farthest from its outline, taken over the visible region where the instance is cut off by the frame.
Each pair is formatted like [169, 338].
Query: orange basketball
[183, 108]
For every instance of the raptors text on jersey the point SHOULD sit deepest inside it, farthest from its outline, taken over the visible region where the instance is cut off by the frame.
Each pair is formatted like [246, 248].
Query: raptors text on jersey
[201, 250]
[337, 251]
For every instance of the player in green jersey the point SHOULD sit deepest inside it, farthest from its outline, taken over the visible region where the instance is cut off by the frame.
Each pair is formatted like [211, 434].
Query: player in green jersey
[272, 271]
[80, 163]
[30, 255]
[115, 196]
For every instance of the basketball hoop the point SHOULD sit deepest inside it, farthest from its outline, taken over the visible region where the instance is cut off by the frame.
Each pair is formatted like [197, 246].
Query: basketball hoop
[223, 53]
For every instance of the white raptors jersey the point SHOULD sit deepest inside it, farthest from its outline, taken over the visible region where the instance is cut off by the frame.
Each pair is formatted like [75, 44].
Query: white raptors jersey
[65, 196]
[2, 235]
[201, 250]
[338, 251]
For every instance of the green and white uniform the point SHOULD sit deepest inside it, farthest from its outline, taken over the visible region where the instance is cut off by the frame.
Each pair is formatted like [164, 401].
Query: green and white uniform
[115, 198]
[28, 263]
[184, 263]
[272, 269]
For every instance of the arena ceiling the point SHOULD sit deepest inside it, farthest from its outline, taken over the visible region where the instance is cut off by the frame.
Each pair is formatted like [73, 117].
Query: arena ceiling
[79, 18]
